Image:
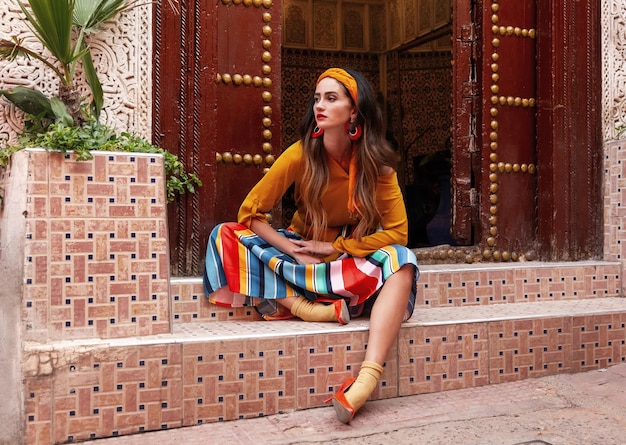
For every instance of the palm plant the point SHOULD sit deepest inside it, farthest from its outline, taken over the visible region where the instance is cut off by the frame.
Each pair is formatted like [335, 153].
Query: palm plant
[64, 122]
[62, 27]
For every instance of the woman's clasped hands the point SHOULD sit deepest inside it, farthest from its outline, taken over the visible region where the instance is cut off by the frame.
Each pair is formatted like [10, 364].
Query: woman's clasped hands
[312, 252]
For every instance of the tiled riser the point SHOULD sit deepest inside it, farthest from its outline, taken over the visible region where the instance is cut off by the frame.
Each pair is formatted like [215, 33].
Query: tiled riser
[95, 259]
[477, 286]
[140, 387]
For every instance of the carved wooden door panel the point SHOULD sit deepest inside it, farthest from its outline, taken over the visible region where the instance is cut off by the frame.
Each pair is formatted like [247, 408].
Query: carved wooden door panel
[494, 125]
[527, 155]
[216, 106]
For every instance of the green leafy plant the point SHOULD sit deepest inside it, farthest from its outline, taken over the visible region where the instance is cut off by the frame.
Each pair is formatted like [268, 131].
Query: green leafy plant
[63, 27]
[93, 136]
[52, 23]
[68, 122]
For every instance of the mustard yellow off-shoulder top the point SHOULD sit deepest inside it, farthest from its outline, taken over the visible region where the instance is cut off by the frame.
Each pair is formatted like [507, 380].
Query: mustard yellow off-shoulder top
[288, 170]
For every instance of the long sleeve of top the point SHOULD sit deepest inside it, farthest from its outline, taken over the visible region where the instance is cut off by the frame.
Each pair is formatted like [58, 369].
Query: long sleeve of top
[288, 170]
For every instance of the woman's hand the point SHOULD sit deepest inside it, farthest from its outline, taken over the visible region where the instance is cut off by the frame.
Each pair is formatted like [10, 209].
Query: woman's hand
[303, 258]
[319, 249]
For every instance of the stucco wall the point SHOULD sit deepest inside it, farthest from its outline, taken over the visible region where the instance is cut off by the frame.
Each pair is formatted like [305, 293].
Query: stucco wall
[12, 235]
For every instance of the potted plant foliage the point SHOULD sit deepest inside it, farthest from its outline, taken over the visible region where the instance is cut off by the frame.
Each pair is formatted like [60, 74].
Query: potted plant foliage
[69, 121]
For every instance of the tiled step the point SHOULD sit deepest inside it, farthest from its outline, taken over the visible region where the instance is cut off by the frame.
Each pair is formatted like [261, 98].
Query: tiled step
[449, 286]
[234, 369]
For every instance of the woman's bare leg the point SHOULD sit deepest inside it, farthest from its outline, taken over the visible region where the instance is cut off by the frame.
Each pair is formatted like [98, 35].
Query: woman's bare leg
[387, 314]
[385, 321]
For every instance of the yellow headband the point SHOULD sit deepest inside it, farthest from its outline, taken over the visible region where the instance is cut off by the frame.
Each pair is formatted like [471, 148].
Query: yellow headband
[343, 77]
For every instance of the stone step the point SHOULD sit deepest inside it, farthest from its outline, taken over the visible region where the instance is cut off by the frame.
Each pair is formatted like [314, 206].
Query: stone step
[235, 369]
[448, 286]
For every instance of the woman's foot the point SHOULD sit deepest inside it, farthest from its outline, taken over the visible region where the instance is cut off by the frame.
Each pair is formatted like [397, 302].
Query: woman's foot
[354, 392]
[307, 310]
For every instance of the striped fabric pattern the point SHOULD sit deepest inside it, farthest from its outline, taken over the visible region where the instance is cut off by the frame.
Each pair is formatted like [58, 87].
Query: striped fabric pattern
[243, 270]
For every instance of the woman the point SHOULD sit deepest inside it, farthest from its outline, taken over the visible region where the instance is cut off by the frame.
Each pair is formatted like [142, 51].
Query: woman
[346, 240]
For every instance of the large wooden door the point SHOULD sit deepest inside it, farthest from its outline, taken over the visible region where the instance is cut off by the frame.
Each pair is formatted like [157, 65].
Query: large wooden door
[495, 152]
[216, 106]
[526, 146]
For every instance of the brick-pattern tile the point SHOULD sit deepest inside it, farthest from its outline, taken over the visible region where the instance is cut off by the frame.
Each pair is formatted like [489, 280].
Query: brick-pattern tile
[614, 197]
[228, 380]
[118, 391]
[190, 304]
[598, 341]
[517, 284]
[325, 361]
[521, 349]
[449, 289]
[96, 254]
[439, 358]
[38, 410]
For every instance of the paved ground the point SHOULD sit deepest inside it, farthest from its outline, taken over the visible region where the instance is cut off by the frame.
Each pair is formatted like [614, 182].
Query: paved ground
[579, 409]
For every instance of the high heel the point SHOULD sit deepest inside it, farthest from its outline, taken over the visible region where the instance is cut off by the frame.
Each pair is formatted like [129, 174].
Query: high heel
[342, 312]
[360, 388]
[343, 408]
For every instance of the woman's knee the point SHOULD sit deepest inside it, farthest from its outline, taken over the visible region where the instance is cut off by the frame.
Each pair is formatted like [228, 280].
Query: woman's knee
[406, 273]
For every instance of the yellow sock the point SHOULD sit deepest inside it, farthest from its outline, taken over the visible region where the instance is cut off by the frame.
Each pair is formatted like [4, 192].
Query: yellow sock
[311, 311]
[364, 384]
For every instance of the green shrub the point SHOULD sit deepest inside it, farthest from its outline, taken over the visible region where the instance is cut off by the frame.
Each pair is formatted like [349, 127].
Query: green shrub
[97, 137]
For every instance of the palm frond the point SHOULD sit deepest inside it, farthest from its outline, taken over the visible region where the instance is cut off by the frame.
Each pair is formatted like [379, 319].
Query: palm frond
[91, 14]
[95, 86]
[29, 100]
[51, 22]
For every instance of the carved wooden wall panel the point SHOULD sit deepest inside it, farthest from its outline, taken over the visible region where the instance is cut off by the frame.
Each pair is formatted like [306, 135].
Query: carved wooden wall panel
[325, 25]
[394, 13]
[353, 27]
[296, 23]
[378, 28]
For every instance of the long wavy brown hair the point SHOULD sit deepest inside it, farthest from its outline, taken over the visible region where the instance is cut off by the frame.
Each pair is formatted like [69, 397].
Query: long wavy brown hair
[373, 154]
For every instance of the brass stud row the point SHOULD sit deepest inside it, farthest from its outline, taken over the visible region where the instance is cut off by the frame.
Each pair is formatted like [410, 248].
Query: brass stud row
[505, 255]
[513, 31]
[510, 100]
[256, 3]
[506, 167]
[248, 80]
[446, 254]
[245, 80]
[228, 158]
[496, 167]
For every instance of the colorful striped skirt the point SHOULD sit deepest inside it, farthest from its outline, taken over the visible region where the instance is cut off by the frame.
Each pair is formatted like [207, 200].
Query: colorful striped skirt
[243, 270]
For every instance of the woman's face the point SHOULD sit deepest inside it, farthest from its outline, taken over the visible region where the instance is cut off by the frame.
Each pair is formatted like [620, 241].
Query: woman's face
[332, 107]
